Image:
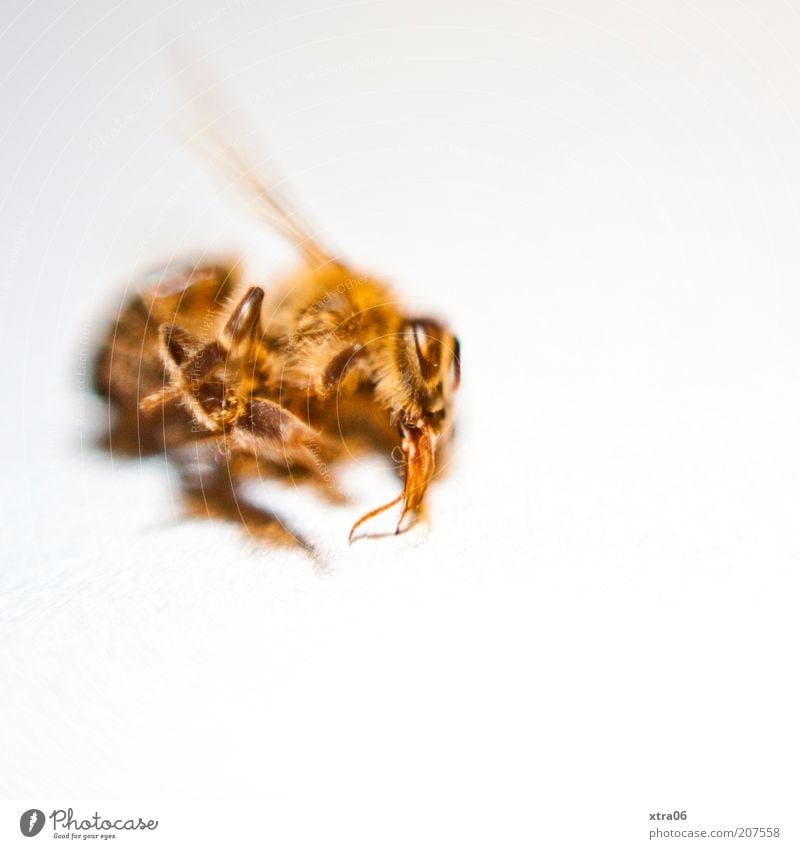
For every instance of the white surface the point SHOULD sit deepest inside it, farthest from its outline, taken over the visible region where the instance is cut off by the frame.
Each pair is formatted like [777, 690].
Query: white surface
[600, 620]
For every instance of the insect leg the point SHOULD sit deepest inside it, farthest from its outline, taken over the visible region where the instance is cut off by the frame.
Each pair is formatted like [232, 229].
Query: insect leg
[268, 431]
[243, 330]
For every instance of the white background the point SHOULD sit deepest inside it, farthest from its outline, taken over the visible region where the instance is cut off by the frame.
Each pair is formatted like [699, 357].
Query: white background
[600, 619]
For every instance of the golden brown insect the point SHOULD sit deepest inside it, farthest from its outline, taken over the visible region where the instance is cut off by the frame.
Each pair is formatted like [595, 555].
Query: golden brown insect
[268, 375]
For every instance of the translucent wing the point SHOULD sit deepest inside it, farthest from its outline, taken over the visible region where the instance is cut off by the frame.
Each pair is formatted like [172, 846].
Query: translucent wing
[205, 106]
[270, 204]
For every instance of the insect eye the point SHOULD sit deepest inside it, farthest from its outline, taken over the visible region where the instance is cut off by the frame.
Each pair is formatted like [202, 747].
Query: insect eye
[419, 339]
[455, 364]
[423, 339]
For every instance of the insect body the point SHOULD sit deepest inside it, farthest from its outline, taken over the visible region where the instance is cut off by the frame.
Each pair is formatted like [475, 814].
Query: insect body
[262, 373]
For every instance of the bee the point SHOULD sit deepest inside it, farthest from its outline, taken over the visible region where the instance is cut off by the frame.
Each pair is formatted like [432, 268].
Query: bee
[263, 374]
